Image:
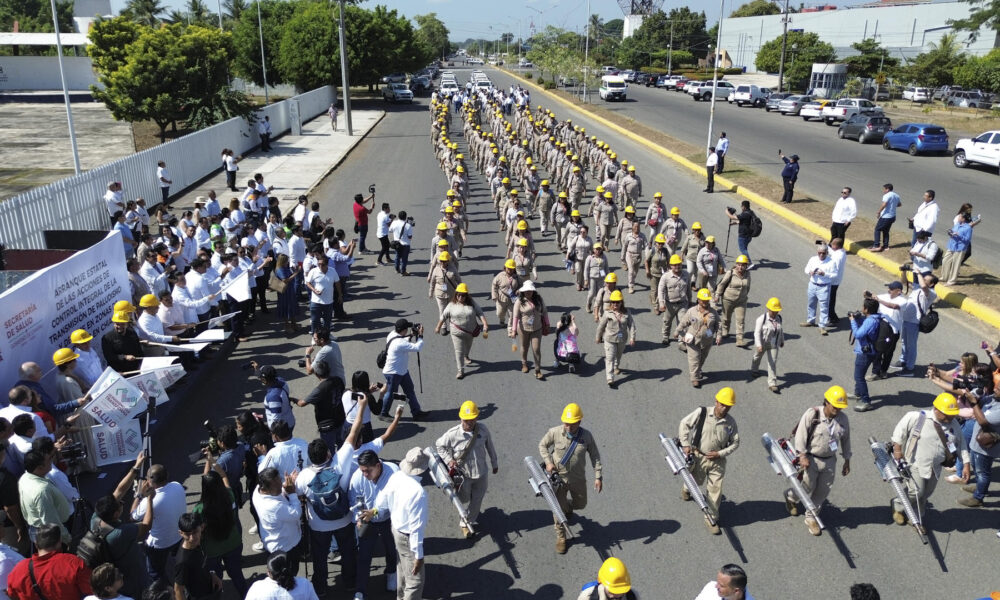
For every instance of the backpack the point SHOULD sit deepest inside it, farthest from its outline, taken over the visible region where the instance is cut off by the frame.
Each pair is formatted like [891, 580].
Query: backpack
[928, 320]
[883, 337]
[383, 355]
[327, 499]
[756, 225]
[93, 548]
[938, 259]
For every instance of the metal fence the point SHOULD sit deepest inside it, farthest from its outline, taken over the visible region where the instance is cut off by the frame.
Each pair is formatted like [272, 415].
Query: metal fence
[77, 202]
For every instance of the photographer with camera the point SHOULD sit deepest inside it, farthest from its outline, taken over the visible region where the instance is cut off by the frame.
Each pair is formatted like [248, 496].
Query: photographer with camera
[406, 337]
[864, 328]
[361, 212]
[325, 400]
[277, 404]
[382, 221]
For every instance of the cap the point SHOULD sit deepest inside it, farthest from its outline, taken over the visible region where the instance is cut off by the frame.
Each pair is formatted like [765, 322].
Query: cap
[120, 316]
[696, 225]
[63, 356]
[610, 278]
[149, 301]
[894, 285]
[442, 243]
[704, 294]
[444, 256]
[616, 296]
[268, 372]
[468, 411]
[774, 304]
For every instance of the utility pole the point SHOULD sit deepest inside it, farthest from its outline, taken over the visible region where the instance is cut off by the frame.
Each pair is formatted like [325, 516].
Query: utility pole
[586, 55]
[715, 76]
[670, 50]
[784, 44]
[345, 80]
[263, 67]
[62, 76]
[220, 14]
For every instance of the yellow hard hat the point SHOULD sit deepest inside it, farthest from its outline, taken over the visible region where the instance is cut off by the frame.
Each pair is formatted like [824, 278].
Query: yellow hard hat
[575, 157]
[610, 278]
[80, 336]
[575, 212]
[947, 404]
[614, 154]
[460, 169]
[598, 246]
[836, 396]
[120, 316]
[568, 152]
[450, 193]
[442, 243]
[674, 259]
[628, 209]
[445, 257]
[545, 182]
[631, 167]
[503, 159]
[614, 576]
[660, 239]
[124, 306]
[572, 413]
[675, 210]
[468, 411]
[608, 195]
[616, 296]
[505, 179]
[600, 189]
[509, 264]
[523, 241]
[527, 160]
[532, 168]
[149, 301]
[461, 289]
[742, 260]
[442, 226]
[726, 396]
[563, 195]
[63, 356]
[774, 304]
[710, 239]
[624, 163]
[457, 203]
[522, 225]
[449, 211]
[696, 225]
[704, 294]
[513, 192]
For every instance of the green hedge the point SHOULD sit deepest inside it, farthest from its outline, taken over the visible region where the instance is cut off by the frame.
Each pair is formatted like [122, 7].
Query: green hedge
[528, 75]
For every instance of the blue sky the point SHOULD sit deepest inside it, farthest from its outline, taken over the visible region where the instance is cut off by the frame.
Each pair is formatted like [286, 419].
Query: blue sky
[474, 18]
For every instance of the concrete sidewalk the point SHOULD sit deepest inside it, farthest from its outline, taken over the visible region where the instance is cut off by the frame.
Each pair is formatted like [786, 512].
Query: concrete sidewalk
[294, 166]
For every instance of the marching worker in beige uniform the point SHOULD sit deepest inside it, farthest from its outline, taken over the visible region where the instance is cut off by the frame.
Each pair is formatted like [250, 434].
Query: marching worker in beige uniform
[613, 582]
[503, 292]
[625, 225]
[633, 247]
[734, 289]
[710, 264]
[927, 440]
[605, 218]
[615, 328]
[602, 301]
[464, 448]
[673, 293]
[571, 230]
[462, 316]
[546, 200]
[563, 450]
[821, 431]
[529, 323]
[768, 336]
[657, 262]
[595, 268]
[631, 188]
[690, 247]
[524, 260]
[580, 247]
[443, 280]
[711, 434]
[675, 227]
[697, 332]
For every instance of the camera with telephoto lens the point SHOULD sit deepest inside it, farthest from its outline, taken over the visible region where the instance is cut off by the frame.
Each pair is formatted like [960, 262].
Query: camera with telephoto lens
[731, 210]
[73, 452]
[212, 443]
[411, 221]
[302, 363]
[906, 266]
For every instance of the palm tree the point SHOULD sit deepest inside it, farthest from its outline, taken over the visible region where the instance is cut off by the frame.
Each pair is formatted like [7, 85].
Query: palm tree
[234, 8]
[596, 28]
[145, 12]
[198, 12]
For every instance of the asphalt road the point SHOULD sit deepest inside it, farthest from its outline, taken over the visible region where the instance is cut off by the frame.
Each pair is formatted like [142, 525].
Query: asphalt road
[639, 516]
[828, 163]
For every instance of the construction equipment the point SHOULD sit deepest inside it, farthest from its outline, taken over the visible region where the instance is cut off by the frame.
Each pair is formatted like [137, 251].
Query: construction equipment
[439, 475]
[783, 459]
[545, 486]
[893, 472]
[679, 463]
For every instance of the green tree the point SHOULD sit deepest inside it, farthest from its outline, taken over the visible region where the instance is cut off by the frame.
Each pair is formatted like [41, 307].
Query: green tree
[982, 72]
[33, 16]
[936, 67]
[803, 50]
[234, 8]
[595, 29]
[144, 12]
[308, 47]
[614, 29]
[983, 12]
[109, 42]
[199, 14]
[690, 31]
[432, 33]
[246, 41]
[756, 8]
[872, 59]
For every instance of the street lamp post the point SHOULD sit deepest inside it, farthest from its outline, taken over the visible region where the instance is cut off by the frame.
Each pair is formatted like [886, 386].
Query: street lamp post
[344, 74]
[784, 44]
[62, 77]
[715, 75]
[586, 56]
[263, 66]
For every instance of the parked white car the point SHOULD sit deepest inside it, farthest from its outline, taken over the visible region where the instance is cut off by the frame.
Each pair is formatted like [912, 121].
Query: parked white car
[722, 90]
[845, 108]
[397, 92]
[983, 149]
[749, 95]
[917, 94]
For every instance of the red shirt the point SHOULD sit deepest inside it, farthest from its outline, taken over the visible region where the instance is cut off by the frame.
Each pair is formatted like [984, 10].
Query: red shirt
[360, 214]
[60, 575]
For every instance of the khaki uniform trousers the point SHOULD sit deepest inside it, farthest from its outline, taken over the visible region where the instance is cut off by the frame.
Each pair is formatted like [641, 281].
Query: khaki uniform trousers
[533, 339]
[771, 353]
[462, 343]
[578, 265]
[818, 479]
[408, 585]
[576, 489]
[706, 281]
[612, 358]
[596, 283]
[670, 316]
[710, 473]
[442, 303]
[729, 309]
[603, 233]
[561, 232]
[919, 490]
[697, 352]
[504, 310]
[633, 261]
[471, 495]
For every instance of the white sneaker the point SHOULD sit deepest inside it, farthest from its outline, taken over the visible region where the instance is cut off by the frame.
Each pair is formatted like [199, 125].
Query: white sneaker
[390, 582]
[258, 547]
[253, 530]
[359, 596]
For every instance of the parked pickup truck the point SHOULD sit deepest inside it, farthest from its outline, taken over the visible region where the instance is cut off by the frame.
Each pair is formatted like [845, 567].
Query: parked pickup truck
[704, 91]
[845, 108]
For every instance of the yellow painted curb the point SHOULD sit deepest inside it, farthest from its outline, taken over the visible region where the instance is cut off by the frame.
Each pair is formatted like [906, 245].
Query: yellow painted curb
[953, 297]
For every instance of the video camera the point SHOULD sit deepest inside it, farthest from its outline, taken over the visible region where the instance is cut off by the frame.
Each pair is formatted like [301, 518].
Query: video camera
[212, 443]
[371, 189]
[731, 210]
[73, 452]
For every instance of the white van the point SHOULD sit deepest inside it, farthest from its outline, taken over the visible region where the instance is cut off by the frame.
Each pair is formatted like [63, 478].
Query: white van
[612, 88]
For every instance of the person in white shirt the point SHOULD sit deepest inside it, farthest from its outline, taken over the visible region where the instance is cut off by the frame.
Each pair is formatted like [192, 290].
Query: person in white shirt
[324, 486]
[189, 300]
[8, 560]
[153, 273]
[140, 207]
[922, 254]
[287, 450]
[89, 365]
[844, 211]
[281, 582]
[150, 328]
[198, 285]
[163, 178]
[231, 167]
[839, 257]
[212, 208]
[299, 214]
[279, 512]
[382, 222]
[711, 162]
[320, 280]
[396, 371]
[402, 233]
[918, 302]
[264, 131]
[821, 271]
[367, 482]
[890, 307]
[169, 503]
[406, 502]
[729, 584]
[721, 149]
[171, 316]
[203, 235]
[113, 198]
[925, 219]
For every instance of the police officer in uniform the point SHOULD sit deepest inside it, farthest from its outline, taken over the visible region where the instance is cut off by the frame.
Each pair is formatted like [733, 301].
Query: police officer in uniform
[613, 581]
[673, 293]
[821, 431]
[734, 289]
[564, 449]
[697, 332]
[615, 328]
[464, 448]
[711, 435]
